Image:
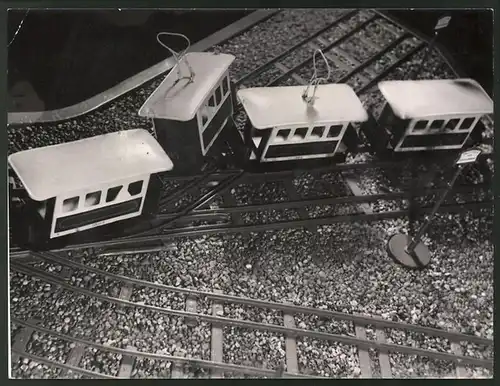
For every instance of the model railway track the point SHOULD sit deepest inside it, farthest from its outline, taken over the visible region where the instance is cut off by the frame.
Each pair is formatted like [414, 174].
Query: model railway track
[402, 45]
[179, 219]
[138, 243]
[348, 69]
[217, 320]
[183, 223]
[203, 214]
[362, 73]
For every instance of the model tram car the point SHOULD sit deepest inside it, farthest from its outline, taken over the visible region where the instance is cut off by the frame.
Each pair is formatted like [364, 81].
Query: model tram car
[191, 107]
[422, 115]
[193, 117]
[87, 184]
[94, 183]
[284, 132]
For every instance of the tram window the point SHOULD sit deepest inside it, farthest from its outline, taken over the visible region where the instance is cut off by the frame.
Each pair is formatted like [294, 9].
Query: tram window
[218, 95]
[334, 131]
[318, 131]
[437, 124]
[452, 124]
[42, 209]
[225, 86]
[467, 123]
[211, 101]
[204, 115]
[420, 125]
[70, 204]
[113, 193]
[92, 199]
[283, 134]
[135, 188]
[301, 132]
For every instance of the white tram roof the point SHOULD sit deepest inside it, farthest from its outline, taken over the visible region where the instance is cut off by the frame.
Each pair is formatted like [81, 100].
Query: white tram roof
[51, 171]
[180, 101]
[268, 107]
[413, 99]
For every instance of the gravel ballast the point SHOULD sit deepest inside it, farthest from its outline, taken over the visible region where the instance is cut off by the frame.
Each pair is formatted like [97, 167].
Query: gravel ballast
[90, 319]
[266, 40]
[327, 359]
[451, 294]
[342, 267]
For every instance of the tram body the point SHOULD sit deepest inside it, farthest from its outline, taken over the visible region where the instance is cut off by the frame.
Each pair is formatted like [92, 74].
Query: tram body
[93, 183]
[78, 186]
[283, 129]
[189, 115]
[423, 115]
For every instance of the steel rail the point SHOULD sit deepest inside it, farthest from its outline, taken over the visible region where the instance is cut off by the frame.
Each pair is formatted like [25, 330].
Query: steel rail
[168, 199]
[223, 214]
[223, 229]
[390, 68]
[286, 173]
[439, 48]
[53, 363]
[345, 339]
[384, 50]
[252, 74]
[202, 363]
[272, 175]
[337, 42]
[200, 201]
[205, 215]
[293, 204]
[287, 308]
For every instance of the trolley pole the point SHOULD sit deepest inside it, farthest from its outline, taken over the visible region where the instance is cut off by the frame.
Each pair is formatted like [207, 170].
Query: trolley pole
[411, 252]
[441, 24]
[416, 239]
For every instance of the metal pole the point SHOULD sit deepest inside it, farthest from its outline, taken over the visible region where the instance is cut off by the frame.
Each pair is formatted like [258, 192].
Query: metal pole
[430, 47]
[416, 239]
[412, 204]
[412, 210]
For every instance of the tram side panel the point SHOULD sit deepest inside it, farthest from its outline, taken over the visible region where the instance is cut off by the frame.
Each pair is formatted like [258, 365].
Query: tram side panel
[429, 115]
[180, 140]
[189, 143]
[87, 199]
[214, 117]
[284, 132]
[191, 112]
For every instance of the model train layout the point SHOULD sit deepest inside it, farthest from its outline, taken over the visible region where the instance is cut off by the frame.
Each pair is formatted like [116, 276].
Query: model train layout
[192, 111]
[238, 209]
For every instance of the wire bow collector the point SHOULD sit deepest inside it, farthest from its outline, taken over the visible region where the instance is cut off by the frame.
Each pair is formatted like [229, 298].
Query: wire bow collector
[178, 57]
[315, 80]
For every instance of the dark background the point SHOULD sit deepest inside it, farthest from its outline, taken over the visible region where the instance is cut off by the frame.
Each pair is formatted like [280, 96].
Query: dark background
[468, 38]
[70, 56]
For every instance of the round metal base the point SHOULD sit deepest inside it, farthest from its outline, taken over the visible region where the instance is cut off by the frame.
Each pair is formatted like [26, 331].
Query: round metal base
[419, 259]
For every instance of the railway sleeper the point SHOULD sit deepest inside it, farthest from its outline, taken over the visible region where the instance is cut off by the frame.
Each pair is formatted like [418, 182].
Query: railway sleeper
[127, 364]
[22, 338]
[217, 344]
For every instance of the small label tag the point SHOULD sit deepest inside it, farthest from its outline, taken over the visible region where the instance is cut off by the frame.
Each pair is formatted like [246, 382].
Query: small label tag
[442, 23]
[468, 157]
